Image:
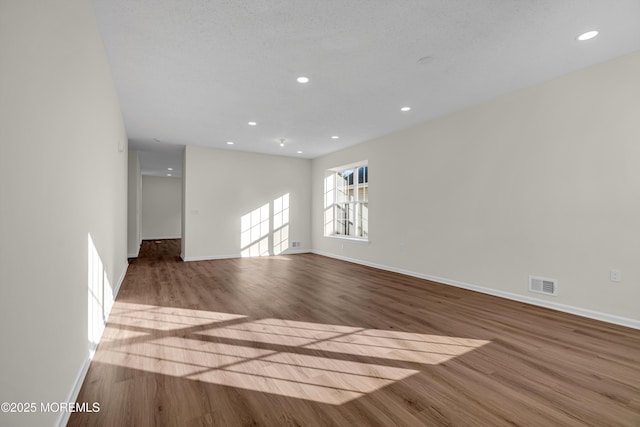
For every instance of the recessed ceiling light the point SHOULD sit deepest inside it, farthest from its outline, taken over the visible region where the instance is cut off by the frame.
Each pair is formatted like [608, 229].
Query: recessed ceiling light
[335, 137]
[229, 142]
[588, 35]
[299, 152]
[405, 109]
[281, 142]
[169, 169]
[168, 174]
[252, 123]
[303, 79]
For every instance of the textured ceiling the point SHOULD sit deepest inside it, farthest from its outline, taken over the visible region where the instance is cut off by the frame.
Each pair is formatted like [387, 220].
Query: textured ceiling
[196, 71]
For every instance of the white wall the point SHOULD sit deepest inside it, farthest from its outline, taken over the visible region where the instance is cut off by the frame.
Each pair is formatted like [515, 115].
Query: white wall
[134, 206]
[183, 243]
[545, 181]
[161, 207]
[63, 179]
[222, 186]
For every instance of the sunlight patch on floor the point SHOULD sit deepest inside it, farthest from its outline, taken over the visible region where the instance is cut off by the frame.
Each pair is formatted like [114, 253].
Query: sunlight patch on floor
[303, 360]
[165, 318]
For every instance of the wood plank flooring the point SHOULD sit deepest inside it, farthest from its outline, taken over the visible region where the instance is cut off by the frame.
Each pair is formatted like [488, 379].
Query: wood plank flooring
[305, 340]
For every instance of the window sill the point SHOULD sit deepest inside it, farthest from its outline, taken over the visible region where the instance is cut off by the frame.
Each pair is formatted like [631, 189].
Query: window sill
[349, 239]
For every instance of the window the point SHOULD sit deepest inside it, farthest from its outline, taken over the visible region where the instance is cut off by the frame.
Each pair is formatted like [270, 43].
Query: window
[346, 196]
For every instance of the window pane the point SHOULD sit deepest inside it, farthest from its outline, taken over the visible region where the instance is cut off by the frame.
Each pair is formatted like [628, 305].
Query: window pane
[342, 219]
[363, 229]
[363, 174]
[329, 190]
[363, 192]
[342, 189]
[347, 175]
[351, 221]
[346, 194]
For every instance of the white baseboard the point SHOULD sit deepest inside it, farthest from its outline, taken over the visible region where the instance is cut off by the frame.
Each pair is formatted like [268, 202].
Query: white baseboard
[120, 280]
[295, 251]
[214, 257]
[591, 314]
[209, 258]
[63, 418]
[162, 238]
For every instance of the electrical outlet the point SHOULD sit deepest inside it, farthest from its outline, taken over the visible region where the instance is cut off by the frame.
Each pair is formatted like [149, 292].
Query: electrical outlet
[615, 276]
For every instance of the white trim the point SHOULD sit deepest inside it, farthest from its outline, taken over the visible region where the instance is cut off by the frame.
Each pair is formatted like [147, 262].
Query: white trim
[215, 257]
[210, 257]
[578, 311]
[137, 251]
[161, 238]
[294, 252]
[343, 237]
[120, 280]
[349, 166]
[63, 418]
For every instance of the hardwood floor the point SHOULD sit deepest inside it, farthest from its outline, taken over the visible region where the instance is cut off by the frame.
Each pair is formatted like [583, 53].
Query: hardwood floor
[305, 340]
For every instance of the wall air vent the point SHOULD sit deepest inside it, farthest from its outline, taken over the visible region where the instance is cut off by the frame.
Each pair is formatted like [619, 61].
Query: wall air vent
[543, 285]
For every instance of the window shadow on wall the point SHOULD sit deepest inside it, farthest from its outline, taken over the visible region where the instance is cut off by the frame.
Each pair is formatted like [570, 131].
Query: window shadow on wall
[265, 230]
[99, 295]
